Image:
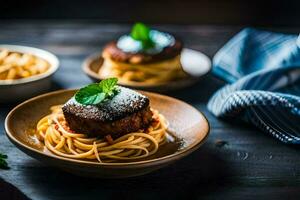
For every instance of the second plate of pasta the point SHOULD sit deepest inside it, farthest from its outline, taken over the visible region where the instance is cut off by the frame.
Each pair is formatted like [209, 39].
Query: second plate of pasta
[165, 76]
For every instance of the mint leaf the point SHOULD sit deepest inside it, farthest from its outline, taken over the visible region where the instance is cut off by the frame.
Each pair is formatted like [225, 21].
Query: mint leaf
[96, 93]
[3, 163]
[108, 84]
[91, 94]
[3, 156]
[141, 33]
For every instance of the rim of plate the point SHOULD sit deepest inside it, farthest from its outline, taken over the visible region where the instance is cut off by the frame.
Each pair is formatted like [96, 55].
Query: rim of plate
[177, 155]
[46, 55]
[87, 62]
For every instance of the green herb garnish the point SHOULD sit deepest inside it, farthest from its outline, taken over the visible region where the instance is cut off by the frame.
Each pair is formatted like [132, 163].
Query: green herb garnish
[141, 33]
[96, 93]
[3, 163]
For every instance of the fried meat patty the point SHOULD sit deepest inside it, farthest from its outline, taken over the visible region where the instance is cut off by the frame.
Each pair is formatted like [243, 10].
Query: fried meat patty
[112, 51]
[126, 112]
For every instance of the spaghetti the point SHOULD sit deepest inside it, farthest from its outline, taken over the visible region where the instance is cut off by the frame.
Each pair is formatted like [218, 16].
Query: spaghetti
[159, 72]
[60, 140]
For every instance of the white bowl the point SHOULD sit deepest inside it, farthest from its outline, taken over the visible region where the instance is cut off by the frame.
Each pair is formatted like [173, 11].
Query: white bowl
[24, 88]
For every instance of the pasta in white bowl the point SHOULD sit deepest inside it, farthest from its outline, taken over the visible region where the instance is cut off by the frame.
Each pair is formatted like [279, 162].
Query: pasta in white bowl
[25, 72]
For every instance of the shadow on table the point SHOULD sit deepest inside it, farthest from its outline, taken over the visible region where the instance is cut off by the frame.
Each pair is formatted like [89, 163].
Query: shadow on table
[200, 92]
[197, 175]
[6, 106]
[55, 86]
[10, 192]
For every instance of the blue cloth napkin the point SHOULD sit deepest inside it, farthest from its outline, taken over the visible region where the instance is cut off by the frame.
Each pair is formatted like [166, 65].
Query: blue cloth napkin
[263, 74]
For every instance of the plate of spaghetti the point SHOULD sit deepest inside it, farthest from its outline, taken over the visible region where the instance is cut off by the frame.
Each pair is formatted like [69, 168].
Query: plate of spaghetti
[148, 59]
[106, 130]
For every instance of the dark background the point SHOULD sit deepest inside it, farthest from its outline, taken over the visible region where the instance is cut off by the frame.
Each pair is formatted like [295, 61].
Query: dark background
[237, 161]
[221, 12]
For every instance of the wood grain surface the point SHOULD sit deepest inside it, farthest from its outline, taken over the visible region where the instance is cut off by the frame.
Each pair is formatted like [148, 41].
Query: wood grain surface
[237, 162]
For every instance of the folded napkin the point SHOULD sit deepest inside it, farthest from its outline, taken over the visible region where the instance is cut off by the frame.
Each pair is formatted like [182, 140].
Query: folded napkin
[263, 72]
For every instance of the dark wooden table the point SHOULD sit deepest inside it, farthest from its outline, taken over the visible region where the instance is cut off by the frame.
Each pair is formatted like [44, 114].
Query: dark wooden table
[236, 162]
